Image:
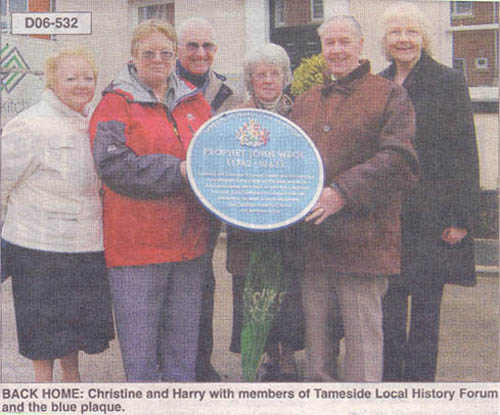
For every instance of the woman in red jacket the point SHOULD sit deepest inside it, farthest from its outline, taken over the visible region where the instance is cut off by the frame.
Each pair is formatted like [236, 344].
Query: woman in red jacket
[155, 232]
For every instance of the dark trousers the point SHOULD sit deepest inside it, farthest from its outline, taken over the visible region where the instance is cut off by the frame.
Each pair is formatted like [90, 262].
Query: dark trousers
[206, 339]
[204, 369]
[412, 357]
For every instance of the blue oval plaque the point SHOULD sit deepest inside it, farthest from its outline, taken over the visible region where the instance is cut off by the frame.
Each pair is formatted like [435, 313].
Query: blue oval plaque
[254, 169]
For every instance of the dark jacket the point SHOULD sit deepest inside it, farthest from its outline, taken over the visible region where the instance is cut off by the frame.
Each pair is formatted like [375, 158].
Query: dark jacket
[216, 88]
[447, 193]
[287, 326]
[240, 242]
[150, 213]
[363, 127]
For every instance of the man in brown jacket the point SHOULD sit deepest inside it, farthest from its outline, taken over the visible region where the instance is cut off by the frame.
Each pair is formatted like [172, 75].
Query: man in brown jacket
[363, 126]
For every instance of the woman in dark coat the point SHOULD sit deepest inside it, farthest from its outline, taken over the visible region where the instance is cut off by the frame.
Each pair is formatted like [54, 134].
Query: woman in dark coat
[267, 73]
[439, 214]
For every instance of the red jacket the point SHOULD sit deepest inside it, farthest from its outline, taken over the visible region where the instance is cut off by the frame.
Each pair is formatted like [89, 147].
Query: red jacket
[150, 215]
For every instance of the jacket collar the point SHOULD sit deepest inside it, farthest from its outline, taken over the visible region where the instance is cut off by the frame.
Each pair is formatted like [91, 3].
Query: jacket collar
[283, 104]
[346, 84]
[199, 81]
[51, 98]
[424, 61]
[128, 84]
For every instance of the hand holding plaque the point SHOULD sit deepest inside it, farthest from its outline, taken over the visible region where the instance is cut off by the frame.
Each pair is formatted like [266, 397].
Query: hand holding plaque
[254, 169]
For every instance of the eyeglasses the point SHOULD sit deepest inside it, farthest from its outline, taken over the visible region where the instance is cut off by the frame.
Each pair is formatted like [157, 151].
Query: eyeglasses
[149, 55]
[194, 46]
[273, 74]
[398, 33]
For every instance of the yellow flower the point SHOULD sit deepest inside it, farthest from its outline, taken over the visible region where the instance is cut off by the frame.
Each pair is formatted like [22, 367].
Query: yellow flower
[308, 73]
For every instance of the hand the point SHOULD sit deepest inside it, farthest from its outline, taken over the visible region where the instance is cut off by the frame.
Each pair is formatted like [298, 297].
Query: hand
[453, 236]
[182, 168]
[330, 202]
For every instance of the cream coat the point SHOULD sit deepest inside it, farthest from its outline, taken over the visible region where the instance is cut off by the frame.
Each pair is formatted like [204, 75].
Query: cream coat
[50, 190]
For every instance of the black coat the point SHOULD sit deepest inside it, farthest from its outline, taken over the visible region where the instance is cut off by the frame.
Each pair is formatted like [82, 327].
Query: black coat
[447, 193]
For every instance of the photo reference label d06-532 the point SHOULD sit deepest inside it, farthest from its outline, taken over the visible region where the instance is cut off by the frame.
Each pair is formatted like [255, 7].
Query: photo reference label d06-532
[65, 23]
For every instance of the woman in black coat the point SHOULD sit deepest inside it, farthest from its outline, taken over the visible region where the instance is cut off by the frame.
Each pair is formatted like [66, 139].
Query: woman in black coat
[439, 214]
[267, 76]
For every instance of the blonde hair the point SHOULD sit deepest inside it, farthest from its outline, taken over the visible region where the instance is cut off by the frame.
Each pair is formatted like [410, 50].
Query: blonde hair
[411, 12]
[52, 62]
[144, 29]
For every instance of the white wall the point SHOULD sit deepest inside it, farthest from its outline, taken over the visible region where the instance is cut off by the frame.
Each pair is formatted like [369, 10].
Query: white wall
[29, 89]
[487, 142]
[228, 18]
[112, 25]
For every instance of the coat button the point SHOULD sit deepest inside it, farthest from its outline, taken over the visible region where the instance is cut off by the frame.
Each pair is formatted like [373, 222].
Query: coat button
[326, 128]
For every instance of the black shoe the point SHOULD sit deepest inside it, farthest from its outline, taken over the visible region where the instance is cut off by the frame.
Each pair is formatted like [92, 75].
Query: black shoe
[207, 373]
[288, 368]
[288, 377]
[268, 372]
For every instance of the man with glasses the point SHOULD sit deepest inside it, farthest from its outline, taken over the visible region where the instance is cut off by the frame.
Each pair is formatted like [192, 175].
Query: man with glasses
[196, 52]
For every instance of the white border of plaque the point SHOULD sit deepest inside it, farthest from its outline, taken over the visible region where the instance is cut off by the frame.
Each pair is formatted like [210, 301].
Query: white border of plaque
[238, 148]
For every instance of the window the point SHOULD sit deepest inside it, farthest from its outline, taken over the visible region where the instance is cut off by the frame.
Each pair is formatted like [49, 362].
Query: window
[294, 13]
[279, 12]
[459, 64]
[461, 8]
[9, 6]
[317, 9]
[475, 41]
[481, 63]
[164, 11]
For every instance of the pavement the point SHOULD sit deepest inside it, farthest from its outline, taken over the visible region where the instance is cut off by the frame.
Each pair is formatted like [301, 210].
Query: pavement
[468, 346]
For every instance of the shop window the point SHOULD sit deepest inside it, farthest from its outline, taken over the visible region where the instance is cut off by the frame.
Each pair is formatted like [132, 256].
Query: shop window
[164, 11]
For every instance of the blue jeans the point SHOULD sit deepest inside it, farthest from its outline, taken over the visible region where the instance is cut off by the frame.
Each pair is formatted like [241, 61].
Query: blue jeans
[157, 310]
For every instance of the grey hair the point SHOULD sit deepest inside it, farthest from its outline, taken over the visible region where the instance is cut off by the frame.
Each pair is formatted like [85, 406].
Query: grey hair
[271, 54]
[338, 18]
[194, 22]
[411, 12]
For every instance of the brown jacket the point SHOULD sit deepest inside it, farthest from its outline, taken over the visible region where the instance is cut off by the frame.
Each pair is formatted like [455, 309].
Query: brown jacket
[363, 126]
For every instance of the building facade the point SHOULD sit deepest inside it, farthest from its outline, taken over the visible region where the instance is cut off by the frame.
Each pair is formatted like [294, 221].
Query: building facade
[466, 37]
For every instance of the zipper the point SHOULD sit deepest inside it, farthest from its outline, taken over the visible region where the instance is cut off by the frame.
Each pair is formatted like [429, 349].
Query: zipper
[172, 120]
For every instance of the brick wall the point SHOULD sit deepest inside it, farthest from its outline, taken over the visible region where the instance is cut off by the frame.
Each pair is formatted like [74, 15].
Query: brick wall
[470, 45]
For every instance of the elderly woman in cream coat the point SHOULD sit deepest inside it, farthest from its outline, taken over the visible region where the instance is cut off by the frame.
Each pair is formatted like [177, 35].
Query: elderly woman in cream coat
[51, 209]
